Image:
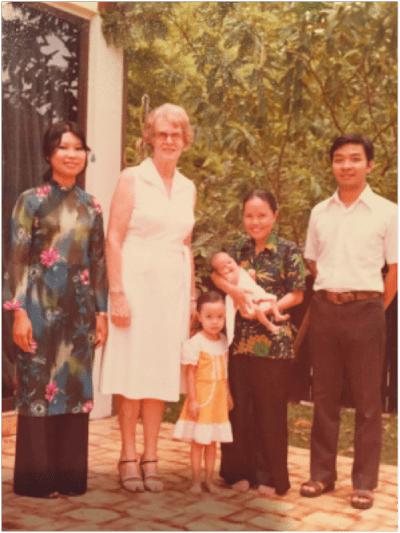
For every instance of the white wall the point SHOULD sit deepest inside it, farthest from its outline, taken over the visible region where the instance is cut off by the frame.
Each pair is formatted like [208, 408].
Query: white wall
[104, 130]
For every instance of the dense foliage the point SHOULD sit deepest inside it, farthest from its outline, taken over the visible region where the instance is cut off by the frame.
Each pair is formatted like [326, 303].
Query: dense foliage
[268, 86]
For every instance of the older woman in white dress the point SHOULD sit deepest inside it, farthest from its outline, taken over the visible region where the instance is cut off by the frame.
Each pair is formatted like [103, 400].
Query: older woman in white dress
[152, 290]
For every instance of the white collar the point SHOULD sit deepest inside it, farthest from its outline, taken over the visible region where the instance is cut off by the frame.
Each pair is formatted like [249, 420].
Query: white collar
[366, 197]
[151, 175]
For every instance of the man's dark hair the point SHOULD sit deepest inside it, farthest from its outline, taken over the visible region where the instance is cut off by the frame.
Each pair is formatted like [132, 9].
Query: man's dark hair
[354, 138]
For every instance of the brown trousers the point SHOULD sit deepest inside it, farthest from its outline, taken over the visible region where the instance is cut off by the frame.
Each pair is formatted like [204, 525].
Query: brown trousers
[349, 337]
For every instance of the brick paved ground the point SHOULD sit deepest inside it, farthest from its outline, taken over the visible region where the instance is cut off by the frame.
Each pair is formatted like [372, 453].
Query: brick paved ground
[108, 507]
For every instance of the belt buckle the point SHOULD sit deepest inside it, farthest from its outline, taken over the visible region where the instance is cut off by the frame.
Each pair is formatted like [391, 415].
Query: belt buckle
[338, 298]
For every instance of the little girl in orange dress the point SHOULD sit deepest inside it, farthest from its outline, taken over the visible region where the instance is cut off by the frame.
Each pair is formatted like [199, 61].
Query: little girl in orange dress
[204, 418]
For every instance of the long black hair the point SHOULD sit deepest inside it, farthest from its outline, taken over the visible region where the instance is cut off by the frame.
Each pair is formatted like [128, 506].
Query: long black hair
[52, 140]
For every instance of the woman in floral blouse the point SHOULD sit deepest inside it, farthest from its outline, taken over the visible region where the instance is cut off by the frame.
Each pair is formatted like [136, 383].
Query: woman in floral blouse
[259, 362]
[56, 287]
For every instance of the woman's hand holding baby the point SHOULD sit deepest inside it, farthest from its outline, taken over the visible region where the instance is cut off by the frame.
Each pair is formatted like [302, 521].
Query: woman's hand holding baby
[240, 298]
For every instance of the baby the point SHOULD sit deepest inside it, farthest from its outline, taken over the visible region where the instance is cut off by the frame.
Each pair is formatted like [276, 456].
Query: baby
[259, 302]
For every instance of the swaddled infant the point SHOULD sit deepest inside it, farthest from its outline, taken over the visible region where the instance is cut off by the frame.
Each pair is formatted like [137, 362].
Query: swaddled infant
[258, 301]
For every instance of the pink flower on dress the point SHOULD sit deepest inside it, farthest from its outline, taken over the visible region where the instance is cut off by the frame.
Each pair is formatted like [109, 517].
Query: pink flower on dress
[12, 305]
[51, 390]
[96, 205]
[34, 346]
[36, 222]
[87, 407]
[43, 191]
[49, 256]
[84, 277]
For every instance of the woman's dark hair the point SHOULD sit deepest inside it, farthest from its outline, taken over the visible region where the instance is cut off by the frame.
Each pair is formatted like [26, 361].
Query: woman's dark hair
[208, 297]
[263, 194]
[354, 138]
[52, 140]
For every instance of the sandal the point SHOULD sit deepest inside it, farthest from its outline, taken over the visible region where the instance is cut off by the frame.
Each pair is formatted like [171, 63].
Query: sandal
[362, 499]
[152, 481]
[132, 483]
[312, 489]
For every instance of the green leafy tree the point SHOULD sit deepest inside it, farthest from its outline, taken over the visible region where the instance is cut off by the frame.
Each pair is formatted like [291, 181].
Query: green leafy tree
[268, 86]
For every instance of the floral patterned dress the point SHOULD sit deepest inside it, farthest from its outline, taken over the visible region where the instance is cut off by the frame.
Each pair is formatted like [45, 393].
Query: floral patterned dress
[279, 270]
[57, 274]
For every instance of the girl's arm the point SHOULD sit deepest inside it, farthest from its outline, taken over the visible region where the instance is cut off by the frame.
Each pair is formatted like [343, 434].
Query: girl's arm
[192, 405]
[120, 213]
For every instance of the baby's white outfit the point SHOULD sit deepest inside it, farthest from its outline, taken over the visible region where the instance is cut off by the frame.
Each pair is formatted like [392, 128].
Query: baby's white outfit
[245, 282]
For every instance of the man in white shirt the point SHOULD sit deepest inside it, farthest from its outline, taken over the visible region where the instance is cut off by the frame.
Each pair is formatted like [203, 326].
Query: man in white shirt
[351, 236]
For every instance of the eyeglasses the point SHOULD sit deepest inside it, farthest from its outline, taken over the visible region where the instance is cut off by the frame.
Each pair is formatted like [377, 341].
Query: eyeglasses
[163, 136]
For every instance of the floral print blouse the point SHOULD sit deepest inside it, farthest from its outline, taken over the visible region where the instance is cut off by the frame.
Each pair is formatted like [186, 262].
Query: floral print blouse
[57, 274]
[279, 270]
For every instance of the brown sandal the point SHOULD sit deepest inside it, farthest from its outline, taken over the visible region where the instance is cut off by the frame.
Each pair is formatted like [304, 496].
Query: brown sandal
[362, 499]
[152, 481]
[312, 489]
[131, 483]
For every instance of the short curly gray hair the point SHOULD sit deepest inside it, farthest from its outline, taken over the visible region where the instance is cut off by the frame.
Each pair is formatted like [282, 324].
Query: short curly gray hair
[174, 114]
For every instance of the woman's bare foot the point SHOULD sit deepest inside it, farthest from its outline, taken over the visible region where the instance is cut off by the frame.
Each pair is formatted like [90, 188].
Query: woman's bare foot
[264, 490]
[241, 486]
[195, 488]
[274, 329]
[211, 487]
[280, 318]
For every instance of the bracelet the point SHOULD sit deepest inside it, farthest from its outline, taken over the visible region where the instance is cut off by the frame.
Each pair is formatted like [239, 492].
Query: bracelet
[193, 299]
[115, 291]
[101, 313]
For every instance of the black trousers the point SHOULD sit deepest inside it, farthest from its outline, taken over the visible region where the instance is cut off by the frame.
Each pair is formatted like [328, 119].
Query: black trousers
[51, 455]
[349, 336]
[258, 453]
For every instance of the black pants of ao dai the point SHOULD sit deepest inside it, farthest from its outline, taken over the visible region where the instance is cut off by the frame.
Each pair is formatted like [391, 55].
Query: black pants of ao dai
[51, 455]
[258, 453]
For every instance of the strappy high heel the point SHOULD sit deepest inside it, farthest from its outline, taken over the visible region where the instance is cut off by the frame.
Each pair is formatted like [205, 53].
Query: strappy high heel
[152, 481]
[132, 483]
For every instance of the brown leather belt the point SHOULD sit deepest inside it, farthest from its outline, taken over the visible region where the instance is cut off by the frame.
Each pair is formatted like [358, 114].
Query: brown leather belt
[346, 297]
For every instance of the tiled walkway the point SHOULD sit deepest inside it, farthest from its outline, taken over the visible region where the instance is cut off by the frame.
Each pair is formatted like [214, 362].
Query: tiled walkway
[107, 507]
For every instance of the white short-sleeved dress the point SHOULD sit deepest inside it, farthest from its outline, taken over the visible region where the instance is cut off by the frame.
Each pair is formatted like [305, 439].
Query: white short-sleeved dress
[212, 425]
[143, 361]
